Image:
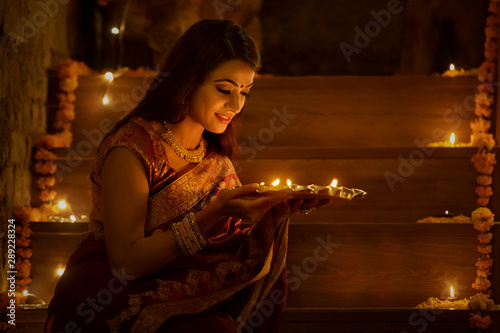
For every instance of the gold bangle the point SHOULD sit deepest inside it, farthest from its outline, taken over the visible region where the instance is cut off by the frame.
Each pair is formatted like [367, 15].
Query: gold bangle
[188, 237]
[178, 238]
[185, 238]
[202, 240]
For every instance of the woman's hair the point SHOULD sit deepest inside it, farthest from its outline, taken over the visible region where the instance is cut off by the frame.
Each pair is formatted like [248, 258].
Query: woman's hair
[200, 50]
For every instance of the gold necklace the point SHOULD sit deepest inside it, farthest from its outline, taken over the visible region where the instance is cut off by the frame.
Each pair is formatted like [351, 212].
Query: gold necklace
[191, 155]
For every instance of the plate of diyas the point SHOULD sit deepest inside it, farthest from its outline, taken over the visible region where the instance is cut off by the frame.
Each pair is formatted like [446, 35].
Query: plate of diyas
[312, 191]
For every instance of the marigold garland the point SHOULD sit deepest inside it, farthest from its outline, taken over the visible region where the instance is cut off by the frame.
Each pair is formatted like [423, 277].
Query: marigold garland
[484, 160]
[45, 170]
[483, 220]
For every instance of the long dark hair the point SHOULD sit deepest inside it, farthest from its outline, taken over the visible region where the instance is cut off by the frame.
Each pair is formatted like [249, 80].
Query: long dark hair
[199, 51]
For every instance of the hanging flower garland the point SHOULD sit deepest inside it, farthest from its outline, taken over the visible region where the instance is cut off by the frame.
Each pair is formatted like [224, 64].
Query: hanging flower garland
[484, 160]
[483, 221]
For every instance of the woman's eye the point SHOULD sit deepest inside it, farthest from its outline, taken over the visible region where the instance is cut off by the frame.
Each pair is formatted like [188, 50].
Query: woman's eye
[245, 94]
[222, 91]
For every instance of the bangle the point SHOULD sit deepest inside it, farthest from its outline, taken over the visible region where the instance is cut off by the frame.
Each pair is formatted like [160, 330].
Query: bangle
[188, 236]
[200, 237]
[178, 238]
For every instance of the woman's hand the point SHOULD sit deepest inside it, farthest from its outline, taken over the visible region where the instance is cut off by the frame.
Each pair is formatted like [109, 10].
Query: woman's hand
[245, 203]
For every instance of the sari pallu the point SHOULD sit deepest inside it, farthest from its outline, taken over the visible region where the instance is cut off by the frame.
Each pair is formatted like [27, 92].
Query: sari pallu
[234, 275]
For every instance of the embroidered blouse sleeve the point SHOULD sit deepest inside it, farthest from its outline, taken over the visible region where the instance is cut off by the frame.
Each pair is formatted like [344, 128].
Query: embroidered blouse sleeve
[134, 138]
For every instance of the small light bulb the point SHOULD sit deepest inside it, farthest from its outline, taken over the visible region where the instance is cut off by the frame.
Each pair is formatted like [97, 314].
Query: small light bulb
[60, 271]
[109, 76]
[72, 218]
[25, 293]
[115, 31]
[105, 100]
[452, 67]
[62, 204]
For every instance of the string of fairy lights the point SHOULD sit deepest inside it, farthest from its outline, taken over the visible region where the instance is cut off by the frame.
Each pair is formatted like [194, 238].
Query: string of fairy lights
[117, 31]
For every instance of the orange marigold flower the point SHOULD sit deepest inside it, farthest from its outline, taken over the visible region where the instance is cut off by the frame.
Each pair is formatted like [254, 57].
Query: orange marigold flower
[485, 264]
[480, 302]
[484, 191]
[44, 154]
[63, 139]
[69, 97]
[47, 195]
[482, 201]
[44, 168]
[481, 284]
[484, 180]
[480, 125]
[481, 273]
[67, 68]
[24, 253]
[483, 162]
[486, 249]
[491, 31]
[68, 84]
[486, 86]
[484, 98]
[65, 115]
[483, 225]
[46, 141]
[483, 110]
[486, 142]
[485, 238]
[493, 8]
[482, 214]
[475, 321]
[44, 182]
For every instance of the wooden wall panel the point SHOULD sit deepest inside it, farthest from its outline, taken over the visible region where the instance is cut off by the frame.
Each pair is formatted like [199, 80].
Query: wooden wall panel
[335, 111]
[379, 265]
[436, 185]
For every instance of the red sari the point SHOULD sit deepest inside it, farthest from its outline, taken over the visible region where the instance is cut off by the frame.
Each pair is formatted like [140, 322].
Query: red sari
[236, 283]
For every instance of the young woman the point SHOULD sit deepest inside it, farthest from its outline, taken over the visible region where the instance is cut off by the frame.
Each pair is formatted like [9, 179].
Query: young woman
[165, 251]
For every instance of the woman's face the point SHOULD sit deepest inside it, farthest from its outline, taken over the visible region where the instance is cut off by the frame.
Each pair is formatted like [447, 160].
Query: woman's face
[221, 96]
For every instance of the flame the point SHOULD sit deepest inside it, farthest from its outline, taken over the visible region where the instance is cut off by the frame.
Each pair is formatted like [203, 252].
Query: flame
[288, 182]
[115, 31]
[62, 204]
[452, 138]
[72, 218]
[105, 100]
[60, 271]
[334, 182]
[262, 183]
[452, 67]
[276, 182]
[452, 293]
[25, 293]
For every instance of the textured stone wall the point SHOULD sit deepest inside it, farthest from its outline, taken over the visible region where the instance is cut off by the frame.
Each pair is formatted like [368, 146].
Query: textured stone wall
[32, 40]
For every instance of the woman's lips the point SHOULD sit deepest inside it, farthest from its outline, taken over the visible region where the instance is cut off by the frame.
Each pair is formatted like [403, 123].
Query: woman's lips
[223, 119]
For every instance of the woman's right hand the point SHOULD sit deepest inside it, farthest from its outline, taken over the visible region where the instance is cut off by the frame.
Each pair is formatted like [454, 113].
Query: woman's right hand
[244, 203]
